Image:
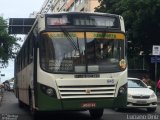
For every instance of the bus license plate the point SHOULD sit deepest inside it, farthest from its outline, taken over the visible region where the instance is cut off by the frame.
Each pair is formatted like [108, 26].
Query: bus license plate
[88, 105]
[141, 102]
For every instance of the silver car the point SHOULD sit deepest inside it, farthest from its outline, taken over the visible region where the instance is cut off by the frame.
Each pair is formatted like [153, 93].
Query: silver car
[140, 95]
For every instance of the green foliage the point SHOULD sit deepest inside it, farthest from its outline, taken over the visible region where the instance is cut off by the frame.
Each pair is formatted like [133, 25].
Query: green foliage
[8, 44]
[142, 22]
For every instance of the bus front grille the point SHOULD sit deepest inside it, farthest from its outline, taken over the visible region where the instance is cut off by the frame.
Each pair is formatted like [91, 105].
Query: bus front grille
[96, 91]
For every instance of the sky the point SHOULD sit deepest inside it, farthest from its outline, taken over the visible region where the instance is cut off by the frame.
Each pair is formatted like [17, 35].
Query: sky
[16, 9]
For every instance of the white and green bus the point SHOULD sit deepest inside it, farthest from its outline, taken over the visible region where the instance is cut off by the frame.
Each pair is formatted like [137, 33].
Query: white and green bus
[73, 61]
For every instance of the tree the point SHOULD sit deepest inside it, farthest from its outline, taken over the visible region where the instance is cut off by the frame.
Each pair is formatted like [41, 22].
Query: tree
[8, 44]
[141, 21]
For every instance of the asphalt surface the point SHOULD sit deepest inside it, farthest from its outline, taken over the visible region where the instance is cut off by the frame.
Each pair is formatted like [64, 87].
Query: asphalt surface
[9, 110]
[158, 99]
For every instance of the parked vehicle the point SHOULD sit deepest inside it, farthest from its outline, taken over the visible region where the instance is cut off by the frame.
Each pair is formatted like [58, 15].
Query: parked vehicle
[6, 85]
[140, 95]
[11, 84]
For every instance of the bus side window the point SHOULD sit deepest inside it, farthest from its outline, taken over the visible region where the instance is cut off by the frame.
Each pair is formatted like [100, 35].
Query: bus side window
[30, 53]
[20, 60]
[23, 57]
[27, 52]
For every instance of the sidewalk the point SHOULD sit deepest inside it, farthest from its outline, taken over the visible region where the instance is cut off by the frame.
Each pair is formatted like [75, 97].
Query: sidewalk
[1, 95]
[0, 98]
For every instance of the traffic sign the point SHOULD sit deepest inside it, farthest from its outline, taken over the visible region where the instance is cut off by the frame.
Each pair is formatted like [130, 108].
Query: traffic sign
[155, 59]
[156, 50]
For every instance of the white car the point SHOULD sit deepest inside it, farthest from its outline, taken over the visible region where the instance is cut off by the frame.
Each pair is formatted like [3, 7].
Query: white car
[140, 95]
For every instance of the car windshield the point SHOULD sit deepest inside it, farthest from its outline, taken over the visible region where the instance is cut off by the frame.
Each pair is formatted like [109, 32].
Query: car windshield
[81, 52]
[136, 84]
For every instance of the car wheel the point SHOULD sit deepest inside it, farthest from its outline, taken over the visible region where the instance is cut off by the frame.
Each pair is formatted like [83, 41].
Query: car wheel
[151, 109]
[96, 113]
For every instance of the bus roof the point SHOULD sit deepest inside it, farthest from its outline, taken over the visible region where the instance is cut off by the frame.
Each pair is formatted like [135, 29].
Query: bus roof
[82, 12]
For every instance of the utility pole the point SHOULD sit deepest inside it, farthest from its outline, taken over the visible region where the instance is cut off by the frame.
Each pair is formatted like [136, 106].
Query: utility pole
[155, 60]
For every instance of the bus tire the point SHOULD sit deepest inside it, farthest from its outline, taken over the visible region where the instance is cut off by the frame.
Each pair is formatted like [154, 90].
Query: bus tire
[32, 110]
[96, 113]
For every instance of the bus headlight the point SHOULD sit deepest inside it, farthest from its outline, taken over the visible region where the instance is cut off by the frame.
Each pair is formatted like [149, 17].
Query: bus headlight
[122, 90]
[48, 91]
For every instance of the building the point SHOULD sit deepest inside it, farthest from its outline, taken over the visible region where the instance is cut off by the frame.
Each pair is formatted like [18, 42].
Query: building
[81, 5]
[51, 6]
[47, 5]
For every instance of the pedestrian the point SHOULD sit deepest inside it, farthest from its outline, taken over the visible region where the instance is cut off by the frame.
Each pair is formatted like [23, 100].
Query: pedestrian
[146, 80]
[143, 78]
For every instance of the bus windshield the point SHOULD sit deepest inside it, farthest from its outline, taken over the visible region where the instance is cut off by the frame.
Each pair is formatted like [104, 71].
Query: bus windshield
[81, 52]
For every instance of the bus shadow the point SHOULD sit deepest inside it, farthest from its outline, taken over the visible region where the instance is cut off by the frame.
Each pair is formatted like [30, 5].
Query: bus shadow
[63, 115]
[133, 110]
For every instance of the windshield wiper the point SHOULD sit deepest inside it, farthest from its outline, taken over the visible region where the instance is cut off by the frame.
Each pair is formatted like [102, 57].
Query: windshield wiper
[69, 38]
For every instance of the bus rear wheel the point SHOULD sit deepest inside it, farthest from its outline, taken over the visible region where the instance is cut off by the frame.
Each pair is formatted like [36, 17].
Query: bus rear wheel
[32, 110]
[96, 113]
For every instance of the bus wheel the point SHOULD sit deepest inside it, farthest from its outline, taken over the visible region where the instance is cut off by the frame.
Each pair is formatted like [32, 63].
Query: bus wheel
[32, 110]
[96, 113]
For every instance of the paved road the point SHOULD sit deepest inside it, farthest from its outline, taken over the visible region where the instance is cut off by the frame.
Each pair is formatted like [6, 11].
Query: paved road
[9, 110]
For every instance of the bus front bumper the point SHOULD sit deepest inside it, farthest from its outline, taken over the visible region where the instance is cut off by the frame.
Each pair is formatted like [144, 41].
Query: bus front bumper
[46, 103]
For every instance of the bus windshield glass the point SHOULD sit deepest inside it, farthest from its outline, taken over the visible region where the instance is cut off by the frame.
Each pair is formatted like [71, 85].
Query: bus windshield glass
[81, 52]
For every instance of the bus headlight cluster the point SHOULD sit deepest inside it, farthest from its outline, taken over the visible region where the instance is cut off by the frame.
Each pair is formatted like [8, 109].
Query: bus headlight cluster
[48, 91]
[122, 90]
